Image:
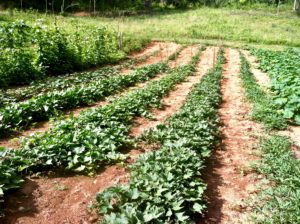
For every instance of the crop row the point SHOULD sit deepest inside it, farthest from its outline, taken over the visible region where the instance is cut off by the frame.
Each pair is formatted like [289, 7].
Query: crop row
[92, 139]
[284, 69]
[264, 109]
[165, 185]
[20, 115]
[61, 82]
[54, 84]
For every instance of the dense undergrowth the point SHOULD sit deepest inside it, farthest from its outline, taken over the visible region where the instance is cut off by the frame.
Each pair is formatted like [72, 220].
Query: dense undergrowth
[165, 185]
[264, 108]
[31, 52]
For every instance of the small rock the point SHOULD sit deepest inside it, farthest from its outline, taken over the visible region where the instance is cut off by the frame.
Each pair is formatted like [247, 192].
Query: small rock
[21, 209]
[93, 219]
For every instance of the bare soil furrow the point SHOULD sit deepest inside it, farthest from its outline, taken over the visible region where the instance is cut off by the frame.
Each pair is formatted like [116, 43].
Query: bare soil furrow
[151, 48]
[165, 50]
[229, 177]
[262, 78]
[185, 56]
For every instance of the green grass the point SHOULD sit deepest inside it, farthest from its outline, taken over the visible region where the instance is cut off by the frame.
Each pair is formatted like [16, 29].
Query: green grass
[231, 26]
[279, 201]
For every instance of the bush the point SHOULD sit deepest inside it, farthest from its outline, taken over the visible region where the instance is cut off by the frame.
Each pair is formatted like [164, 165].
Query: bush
[28, 52]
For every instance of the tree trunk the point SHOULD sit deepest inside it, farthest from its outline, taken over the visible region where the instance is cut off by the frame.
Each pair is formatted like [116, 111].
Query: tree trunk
[94, 7]
[52, 6]
[46, 6]
[62, 7]
[21, 4]
[148, 5]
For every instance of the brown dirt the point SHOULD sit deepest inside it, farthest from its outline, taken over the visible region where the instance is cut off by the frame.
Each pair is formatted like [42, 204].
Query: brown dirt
[165, 48]
[229, 177]
[177, 97]
[150, 49]
[56, 200]
[185, 56]
[262, 78]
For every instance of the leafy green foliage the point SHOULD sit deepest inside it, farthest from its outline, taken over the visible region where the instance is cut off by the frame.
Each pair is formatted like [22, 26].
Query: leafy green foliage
[65, 81]
[31, 52]
[16, 58]
[57, 83]
[165, 186]
[42, 107]
[284, 69]
[92, 139]
[264, 110]
[279, 202]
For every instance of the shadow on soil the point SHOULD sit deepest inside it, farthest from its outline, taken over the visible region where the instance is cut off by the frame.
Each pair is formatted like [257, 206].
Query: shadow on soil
[213, 180]
[20, 203]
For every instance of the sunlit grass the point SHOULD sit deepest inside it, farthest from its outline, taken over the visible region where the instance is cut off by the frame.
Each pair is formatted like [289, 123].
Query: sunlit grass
[214, 25]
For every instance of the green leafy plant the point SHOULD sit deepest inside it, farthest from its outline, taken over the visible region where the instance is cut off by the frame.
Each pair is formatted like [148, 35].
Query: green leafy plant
[265, 110]
[165, 185]
[283, 68]
[44, 106]
[94, 138]
[278, 202]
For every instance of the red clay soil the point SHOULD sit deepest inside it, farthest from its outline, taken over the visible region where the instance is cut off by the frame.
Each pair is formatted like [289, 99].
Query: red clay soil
[55, 200]
[185, 56]
[65, 199]
[166, 49]
[150, 49]
[262, 78]
[229, 177]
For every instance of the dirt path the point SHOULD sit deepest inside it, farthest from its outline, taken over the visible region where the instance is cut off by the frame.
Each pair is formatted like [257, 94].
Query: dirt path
[262, 78]
[230, 181]
[14, 141]
[185, 56]
[150, 49]
[166, 49]
[65, 199]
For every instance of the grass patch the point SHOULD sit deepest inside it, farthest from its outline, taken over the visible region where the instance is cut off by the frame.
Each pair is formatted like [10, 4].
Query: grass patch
[262, 26]
[279, 203]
